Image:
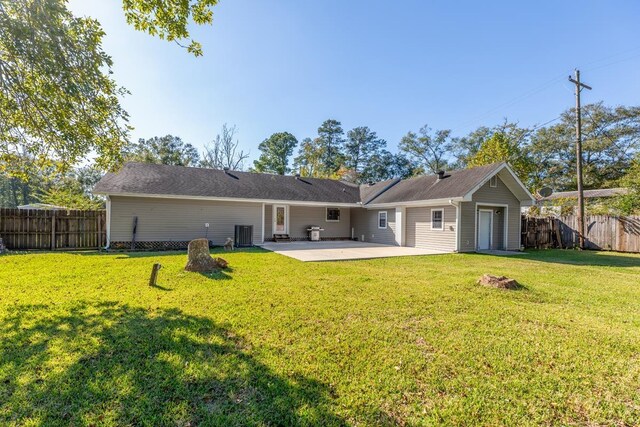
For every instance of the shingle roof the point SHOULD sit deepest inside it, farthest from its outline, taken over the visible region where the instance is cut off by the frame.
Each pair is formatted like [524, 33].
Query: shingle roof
[164, 180]
[427, 187]
[589, 194]
[152, 179]
[369, 192]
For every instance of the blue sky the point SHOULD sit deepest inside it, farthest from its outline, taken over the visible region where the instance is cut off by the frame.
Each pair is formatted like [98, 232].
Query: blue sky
[288, 65]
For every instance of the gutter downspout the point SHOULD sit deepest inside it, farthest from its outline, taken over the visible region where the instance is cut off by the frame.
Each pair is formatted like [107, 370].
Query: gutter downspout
[457, 206]
[108, 222]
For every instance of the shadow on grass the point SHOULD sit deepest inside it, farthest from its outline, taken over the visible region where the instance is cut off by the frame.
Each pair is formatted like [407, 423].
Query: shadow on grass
[576, 257]
[162, 288]
[106, 363]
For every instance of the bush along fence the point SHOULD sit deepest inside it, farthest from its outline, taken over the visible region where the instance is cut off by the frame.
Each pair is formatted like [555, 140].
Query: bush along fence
[608, 233]
[24, 229]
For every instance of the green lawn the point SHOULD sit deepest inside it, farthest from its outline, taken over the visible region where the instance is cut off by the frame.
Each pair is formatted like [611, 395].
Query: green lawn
[274, 341]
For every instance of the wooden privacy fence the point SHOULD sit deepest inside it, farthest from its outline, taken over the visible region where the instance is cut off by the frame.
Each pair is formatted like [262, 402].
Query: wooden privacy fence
[22, 229]
[602, 232]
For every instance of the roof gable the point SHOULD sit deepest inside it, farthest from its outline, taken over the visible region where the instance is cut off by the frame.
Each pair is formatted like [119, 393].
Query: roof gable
[456, 184]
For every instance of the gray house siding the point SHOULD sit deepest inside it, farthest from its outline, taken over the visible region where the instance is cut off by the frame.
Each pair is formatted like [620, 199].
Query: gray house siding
[301, 217]
[419, 233]
[491, 195]
[268, 221]
[365, 222]
[172, 220]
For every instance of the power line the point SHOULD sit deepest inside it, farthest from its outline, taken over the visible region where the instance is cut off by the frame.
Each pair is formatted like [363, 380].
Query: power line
[551, 82]
[544, 124]
[515, 100]
[584, 66]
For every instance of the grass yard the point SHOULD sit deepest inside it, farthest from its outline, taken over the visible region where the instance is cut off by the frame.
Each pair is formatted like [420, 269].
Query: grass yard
[399, 341]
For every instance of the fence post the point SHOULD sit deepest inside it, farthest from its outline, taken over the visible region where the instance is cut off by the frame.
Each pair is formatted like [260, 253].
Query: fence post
[53, 230]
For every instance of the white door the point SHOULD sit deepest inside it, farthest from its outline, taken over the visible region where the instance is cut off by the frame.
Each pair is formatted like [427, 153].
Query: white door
[279, 219]
[485, 226]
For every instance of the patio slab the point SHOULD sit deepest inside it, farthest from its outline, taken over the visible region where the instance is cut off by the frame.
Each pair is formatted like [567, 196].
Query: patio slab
[341, 250]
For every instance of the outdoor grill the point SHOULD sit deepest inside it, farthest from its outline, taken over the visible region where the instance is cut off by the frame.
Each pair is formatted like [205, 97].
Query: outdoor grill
[314, 232]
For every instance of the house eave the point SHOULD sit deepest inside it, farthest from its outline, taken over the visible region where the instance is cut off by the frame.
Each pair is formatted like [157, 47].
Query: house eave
[231, 199]
[415, 203]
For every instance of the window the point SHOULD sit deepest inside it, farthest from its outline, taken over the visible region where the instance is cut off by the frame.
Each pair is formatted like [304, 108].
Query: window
[437, 219]
[493, 182]
[382, 219]
[333, 214]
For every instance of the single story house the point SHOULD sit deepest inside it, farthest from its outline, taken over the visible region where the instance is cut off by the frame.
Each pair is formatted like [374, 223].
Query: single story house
[458, 211]
[566, 202]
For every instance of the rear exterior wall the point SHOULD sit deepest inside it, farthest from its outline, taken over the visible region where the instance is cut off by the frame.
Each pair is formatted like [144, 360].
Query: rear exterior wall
[178, 220]
[365, 223]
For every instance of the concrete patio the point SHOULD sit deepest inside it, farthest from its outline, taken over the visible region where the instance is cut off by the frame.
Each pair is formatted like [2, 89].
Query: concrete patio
[341, 250]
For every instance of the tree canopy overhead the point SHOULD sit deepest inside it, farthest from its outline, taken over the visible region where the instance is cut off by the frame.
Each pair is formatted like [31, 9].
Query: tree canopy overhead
[166, 150]
[275, 153]
[331, 140]
[169, 19]
[499, 148]
[224, 152]
[58, 102]
[430, 151]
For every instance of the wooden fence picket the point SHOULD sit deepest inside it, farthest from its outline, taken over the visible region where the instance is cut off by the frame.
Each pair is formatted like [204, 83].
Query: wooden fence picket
[608, 233]
[25, 229]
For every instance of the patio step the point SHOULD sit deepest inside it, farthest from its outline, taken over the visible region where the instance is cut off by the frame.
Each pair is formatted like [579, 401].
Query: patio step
[281, 238]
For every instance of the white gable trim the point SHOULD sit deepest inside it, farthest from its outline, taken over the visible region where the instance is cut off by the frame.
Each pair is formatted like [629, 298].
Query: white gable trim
[468, 197]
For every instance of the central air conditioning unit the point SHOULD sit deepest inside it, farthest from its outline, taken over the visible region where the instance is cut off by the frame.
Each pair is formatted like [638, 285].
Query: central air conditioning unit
[243, 235]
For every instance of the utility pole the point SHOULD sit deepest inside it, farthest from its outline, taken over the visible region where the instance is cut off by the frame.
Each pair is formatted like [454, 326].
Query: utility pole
[579, 87]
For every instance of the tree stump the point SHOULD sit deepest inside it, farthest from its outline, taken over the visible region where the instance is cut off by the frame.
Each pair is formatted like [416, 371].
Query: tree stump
[500, 282]
[199, 259]
[154, 274]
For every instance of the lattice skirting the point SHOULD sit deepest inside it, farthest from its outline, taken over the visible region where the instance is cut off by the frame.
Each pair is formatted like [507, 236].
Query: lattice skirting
[182, 245]
[152, 246]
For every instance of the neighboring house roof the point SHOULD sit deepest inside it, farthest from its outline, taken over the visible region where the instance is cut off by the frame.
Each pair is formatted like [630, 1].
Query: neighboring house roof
[588, 194]
[145, 179]
[42, 206]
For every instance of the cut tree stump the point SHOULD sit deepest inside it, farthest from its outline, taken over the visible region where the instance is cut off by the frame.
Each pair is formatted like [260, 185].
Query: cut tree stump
[500, 282]
[199, 259]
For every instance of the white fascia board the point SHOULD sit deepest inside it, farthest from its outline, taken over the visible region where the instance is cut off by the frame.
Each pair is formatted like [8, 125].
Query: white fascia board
[416, 203]
[234, 199]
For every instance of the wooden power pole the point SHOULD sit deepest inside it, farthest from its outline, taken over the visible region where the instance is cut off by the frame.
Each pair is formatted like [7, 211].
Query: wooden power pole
[579, 87]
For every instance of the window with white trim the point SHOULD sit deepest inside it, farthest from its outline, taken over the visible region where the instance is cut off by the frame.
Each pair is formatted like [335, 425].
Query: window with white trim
[382, 219]
[437, 219]
[333, 215]
[493, 182]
